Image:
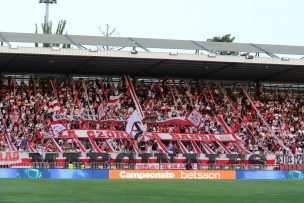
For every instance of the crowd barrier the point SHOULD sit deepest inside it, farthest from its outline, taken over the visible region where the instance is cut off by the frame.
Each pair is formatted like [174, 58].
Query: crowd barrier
[143, 166]
[149, 174]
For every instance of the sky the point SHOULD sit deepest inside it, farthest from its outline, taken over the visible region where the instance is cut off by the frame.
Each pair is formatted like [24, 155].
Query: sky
[250, 21]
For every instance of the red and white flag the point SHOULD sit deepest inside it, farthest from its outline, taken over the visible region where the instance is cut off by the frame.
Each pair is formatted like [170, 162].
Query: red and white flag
[206, 108]
[258, 104]
[57, 128]
[195, 118]
[14, 117]
[101, 110]
[134, 96]
[114, 100]
[53, 106]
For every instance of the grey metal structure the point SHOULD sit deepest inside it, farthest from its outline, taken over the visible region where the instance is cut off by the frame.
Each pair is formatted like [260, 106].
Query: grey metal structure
[83, 61]
[147, 43]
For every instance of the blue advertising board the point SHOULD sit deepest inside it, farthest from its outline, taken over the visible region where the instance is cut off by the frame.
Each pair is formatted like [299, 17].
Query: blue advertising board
[278, 175]
[104, 174]
[53, 173]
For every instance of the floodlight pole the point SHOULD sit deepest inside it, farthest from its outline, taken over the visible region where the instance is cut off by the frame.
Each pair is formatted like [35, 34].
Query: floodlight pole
[47, 8]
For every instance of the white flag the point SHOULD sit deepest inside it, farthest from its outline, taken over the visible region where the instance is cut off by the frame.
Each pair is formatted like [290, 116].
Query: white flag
[195, 118]
[134, 125]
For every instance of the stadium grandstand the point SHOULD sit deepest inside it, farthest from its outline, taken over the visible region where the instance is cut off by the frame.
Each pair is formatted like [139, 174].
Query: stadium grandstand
[149, 101]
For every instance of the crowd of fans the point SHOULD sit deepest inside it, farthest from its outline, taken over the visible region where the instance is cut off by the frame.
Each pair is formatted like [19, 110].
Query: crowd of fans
[25, 118]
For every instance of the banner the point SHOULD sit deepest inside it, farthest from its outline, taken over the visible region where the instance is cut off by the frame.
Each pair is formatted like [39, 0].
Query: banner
[163, 166]
[148, 119]
[7, 158]
[106, 134]
[101, 134]
[173, 121]
[150, 161]
[172, 175]
[180, 120]
[290, 159]
[65, 118]
[87, 117]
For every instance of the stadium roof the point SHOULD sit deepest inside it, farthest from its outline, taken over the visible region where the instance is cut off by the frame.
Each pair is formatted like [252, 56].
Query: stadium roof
[85, 60]
[147, 43]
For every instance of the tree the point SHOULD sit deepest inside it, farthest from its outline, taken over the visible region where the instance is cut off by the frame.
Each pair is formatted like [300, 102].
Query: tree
[225, 38]
[47, 29]
[107, 32]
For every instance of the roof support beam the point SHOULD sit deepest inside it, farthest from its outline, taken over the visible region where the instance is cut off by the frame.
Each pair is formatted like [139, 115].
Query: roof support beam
[3, 38]
[72, 42]
[204, 48]
[265, 51]
[138, 44]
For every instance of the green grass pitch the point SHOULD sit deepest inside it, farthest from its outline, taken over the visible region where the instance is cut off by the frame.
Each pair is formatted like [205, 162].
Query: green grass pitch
[78, 191]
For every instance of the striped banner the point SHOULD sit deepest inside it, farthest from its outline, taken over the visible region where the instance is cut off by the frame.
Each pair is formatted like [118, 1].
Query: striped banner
[30, 147]
[96, 148]
[134, 96]
[81, 147]
[57, 145]
[207, 148]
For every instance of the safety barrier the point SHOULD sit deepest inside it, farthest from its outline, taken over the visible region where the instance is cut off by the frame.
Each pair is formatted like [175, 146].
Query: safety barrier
[140, 166]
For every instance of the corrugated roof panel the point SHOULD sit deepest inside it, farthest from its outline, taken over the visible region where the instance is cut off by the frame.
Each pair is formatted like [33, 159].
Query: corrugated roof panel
[102, 41]
[222, 46]
[32, 38]
[283, 49]
[166, 43]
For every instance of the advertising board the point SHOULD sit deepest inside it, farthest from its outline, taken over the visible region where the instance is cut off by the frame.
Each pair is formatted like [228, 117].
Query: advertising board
[274, 175]
[53, 173]
[172, 174]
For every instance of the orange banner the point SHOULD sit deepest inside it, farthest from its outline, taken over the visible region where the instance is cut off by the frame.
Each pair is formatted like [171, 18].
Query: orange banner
[172, 175]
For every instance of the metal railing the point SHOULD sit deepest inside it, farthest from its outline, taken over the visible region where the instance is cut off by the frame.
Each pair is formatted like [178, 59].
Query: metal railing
[143, 166]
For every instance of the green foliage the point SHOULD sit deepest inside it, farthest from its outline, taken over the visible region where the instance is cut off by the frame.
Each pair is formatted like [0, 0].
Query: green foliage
[47, 29]
[225, 38]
